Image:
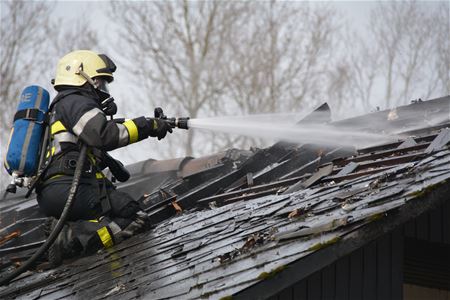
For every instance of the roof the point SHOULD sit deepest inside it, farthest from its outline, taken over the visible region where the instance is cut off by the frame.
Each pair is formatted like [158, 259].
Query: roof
[241, 222]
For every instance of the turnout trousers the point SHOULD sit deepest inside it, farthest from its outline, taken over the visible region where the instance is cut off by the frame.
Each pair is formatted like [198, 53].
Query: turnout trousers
[98, 210]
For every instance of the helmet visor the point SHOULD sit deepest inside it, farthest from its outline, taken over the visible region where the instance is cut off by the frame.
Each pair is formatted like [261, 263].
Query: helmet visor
[110, 66]
[101, 84]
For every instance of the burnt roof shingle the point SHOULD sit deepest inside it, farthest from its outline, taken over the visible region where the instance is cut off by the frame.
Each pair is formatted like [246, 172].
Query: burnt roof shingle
[232, 239]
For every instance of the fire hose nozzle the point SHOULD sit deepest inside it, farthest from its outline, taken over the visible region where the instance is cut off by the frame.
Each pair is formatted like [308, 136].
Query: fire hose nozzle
[181, 123]
[173, 122]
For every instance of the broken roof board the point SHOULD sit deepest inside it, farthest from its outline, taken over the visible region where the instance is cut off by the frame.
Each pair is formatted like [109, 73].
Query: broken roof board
[200, 259]
[222, 251]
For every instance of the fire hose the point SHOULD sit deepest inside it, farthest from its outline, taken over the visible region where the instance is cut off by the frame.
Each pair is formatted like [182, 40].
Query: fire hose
[59, 225]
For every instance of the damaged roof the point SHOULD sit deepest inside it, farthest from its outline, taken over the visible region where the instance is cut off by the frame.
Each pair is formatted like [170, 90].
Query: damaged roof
[231, 224]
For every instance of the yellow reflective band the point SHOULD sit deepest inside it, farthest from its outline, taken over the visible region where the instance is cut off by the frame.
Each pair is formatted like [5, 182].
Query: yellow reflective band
[93, 221]
[132, 131]
[105, 237]
[52, 151]
[99, 175]
[91, 157]
[57, 127]
[7, 147]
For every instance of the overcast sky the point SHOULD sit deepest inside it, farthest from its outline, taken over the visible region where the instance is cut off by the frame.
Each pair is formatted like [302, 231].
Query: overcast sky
[96, 12]
[356, 13]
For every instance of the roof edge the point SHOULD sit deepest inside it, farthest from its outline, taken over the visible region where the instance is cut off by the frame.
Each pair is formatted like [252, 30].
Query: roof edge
[301, 269]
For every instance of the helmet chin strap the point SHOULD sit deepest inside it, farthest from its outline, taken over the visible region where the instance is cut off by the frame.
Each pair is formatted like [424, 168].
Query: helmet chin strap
[99, 93]
[86, 76]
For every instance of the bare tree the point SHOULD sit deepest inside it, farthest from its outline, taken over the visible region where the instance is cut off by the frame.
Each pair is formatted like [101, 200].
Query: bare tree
[22, 50]
[76, 35]
[175, 48]
[404, 55]
[352, 82]
[23, 40]
[228, 57]
[442, 46]
[31, 42]
[284, 59]
[79, 35]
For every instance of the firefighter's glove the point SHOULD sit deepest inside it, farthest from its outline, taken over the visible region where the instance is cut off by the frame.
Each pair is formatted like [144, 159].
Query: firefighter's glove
[158, 128]
[109, 107]
[135, 227]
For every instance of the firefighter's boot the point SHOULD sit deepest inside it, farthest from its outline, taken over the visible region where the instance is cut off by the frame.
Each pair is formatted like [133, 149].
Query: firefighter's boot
[65, 246]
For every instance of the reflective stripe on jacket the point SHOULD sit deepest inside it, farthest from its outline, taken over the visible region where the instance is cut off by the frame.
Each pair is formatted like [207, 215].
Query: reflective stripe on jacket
[77, 115]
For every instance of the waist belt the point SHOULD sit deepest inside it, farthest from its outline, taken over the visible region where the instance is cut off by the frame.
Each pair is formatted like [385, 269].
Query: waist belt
[66, 165]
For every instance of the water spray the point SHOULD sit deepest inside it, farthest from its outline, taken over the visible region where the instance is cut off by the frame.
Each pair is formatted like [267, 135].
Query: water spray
[284, 127]
[321, 134]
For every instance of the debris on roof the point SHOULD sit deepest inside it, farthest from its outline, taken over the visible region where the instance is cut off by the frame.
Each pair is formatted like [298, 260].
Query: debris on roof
[225, 223]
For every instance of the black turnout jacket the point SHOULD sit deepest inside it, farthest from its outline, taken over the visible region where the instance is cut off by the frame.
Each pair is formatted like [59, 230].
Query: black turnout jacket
[76, 115]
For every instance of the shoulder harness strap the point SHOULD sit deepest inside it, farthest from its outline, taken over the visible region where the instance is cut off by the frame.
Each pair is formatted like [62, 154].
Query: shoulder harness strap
[62, 95]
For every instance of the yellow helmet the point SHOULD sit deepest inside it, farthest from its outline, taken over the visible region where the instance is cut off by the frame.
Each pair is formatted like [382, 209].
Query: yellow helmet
[81, 66]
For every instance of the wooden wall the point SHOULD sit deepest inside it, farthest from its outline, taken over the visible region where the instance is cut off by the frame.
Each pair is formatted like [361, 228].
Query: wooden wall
[383, 268]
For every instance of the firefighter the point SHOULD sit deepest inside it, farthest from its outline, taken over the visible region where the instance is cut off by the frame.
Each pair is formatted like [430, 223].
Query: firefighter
[100, 216]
